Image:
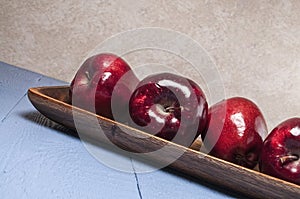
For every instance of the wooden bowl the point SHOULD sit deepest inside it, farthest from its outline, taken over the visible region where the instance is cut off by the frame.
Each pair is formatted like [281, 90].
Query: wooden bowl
[53, 102]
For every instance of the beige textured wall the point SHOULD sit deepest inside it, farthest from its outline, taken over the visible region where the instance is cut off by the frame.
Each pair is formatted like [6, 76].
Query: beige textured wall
[255, 44]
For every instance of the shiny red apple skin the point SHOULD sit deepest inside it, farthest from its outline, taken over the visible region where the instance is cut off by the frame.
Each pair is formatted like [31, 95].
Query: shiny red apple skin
[166, 105]
[281, 151]
[235, 132]
[96, 80]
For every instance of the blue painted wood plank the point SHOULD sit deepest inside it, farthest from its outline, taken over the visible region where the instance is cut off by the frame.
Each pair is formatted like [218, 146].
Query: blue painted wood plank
[14, 83]
[41, 162]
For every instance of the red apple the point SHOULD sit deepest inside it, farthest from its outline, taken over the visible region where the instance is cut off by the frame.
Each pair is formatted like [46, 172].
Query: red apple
[169, 106]
[96, 80]
[235, 132]
[281, 152]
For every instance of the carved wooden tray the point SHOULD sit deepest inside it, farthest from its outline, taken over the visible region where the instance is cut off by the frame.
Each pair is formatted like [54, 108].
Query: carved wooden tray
[53, 102]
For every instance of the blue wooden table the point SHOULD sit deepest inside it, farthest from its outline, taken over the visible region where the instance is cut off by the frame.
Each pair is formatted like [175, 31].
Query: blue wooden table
[40, 159]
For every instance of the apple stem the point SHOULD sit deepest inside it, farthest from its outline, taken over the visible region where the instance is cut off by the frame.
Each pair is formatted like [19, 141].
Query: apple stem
[172, 108]
[288, 158]
[87, 74]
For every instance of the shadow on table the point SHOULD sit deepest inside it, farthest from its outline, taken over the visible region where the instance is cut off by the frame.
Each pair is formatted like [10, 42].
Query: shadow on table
[38, 118]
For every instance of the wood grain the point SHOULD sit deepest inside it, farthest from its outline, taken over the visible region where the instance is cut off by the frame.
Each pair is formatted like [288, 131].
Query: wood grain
[53, 102]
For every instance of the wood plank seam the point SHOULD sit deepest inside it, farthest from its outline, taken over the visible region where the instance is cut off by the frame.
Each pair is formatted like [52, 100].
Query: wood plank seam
[24, 95]
[136, 179]
[10, 110]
